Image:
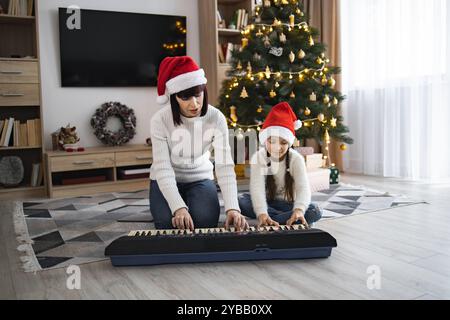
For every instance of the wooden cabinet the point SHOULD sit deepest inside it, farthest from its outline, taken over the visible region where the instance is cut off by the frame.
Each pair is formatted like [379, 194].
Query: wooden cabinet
[96, 170]
[20, 99]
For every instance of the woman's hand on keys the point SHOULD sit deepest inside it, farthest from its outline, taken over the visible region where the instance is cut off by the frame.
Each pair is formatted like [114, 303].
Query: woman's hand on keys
[182, 220]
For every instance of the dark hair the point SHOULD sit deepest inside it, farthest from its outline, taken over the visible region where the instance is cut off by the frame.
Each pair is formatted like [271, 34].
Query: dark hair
[271, 186]
[186, 94]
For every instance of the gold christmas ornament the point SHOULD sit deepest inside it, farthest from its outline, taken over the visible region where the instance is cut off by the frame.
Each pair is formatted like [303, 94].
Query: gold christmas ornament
[259, 33]
[333, 122]
[313, 97]
[282, 38]
[307, 112]
[291, 57]
[272, 94]
[301, 54]
[335, 101]
[319, 61]
[267, 3]
[260, 109]
[343, 147]
[239, 66]
[332, 82]
[244, 94]
[233, 115]
[249, 67]
[268, 72]
[311, 41]
[284, 1]
[321, 117]
[292, 95]
[326, 99]
[277, 85]
[244, 42]
[324, 81]
[292, 20]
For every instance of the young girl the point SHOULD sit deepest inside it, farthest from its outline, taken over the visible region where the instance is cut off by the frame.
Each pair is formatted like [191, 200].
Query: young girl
[280, 193]
[183, 193]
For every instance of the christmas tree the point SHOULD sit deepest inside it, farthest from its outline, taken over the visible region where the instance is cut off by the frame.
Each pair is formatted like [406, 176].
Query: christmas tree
[279, 60]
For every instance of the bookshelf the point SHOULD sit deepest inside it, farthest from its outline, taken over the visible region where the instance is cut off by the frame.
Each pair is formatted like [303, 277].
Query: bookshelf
[212, 35]
[20, 95]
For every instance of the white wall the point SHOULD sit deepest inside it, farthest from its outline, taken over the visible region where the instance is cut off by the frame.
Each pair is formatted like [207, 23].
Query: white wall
[76, 105]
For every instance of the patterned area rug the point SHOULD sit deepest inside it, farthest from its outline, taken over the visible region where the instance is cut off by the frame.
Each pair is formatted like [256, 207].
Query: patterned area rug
[59, 233]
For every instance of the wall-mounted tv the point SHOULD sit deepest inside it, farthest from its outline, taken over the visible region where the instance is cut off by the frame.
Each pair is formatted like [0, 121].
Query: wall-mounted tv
[116, 49]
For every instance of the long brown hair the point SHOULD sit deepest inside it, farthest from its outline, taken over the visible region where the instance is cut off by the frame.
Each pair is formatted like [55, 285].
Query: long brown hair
[271, 187]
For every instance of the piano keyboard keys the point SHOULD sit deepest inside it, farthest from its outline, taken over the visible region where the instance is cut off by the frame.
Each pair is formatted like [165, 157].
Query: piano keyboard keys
[214, 231]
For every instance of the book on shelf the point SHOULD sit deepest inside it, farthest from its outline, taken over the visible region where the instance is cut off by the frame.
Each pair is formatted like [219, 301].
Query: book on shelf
[225, 51]
[240, 19]
[38, 136]
[129, 174]
[13, 133]
[7, 132]
[31, 133]
[35, 168]
[16, 133]
[23, 135]
[2, 123]
[21, 8]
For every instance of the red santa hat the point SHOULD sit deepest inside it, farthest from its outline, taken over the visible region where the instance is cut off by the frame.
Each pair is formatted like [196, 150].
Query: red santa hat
[281, 122]
[177, 74]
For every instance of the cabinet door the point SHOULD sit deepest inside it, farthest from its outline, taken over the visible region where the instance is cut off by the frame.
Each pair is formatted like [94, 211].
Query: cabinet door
[18, 72]
[19, 95]
[133, 158]
[82, 162]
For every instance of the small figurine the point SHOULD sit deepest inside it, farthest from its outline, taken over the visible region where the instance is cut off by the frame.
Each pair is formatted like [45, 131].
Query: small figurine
[68, 139]
[149, 142]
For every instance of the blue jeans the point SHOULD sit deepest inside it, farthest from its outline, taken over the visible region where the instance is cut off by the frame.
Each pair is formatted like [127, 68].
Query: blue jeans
[279, 210]
[201, 198]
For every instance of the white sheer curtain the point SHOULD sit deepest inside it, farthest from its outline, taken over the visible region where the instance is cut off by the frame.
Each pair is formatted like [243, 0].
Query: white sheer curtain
[396, 70]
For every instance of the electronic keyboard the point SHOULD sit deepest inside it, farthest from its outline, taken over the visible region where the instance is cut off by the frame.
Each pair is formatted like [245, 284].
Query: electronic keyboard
[154, 247]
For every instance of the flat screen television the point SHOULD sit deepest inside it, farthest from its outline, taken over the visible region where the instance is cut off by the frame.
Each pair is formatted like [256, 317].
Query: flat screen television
[116, 49]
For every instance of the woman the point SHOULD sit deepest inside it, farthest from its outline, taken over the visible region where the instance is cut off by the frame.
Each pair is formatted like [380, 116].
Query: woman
[279, 186]
[183, 193]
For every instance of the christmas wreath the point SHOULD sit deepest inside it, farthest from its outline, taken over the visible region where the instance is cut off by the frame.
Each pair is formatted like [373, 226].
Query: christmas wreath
[127, 118]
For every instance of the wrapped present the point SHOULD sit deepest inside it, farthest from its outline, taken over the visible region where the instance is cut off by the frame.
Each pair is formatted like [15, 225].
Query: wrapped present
[314, 161]
[334, 175]
[319, 179]
[305, 151]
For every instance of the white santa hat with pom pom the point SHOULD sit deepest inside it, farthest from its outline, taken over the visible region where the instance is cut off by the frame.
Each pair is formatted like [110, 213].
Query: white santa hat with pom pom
[177, 74]
[281, 122]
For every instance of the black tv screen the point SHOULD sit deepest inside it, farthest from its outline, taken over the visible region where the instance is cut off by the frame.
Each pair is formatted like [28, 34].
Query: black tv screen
[116, 49]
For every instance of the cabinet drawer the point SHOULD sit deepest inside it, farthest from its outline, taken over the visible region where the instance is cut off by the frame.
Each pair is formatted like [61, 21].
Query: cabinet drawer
[19, 72]
[19, 95]
[133, 158]
[82, 162]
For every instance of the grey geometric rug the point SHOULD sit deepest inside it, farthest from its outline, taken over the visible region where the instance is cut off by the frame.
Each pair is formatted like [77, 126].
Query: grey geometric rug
[58, 233]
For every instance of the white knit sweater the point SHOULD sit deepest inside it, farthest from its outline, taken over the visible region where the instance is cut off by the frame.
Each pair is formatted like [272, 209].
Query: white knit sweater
[182, 155]
[258, 175]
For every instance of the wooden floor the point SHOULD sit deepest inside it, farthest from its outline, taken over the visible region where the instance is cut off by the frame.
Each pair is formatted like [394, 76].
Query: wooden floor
[410, 245]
